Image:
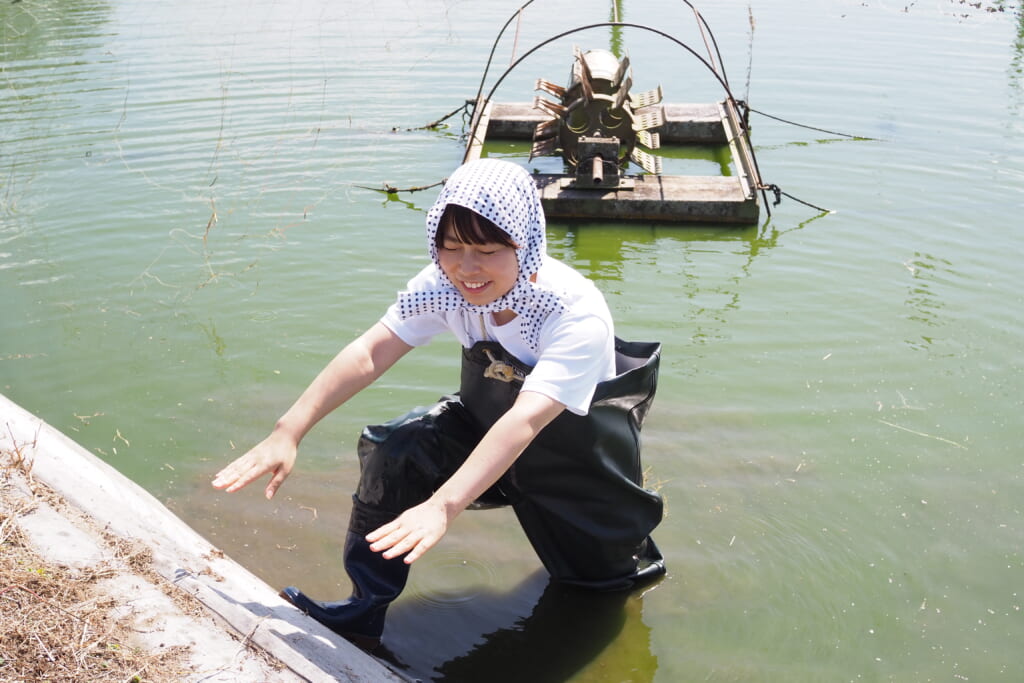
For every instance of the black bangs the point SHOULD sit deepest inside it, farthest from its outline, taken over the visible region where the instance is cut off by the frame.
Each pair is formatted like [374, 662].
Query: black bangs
[467, 226]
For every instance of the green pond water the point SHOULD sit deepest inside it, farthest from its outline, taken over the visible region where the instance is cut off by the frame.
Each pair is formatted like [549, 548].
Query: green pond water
[186, 239]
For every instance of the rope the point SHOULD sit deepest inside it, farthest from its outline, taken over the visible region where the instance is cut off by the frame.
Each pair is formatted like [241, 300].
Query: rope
[779, 194]
[435, 124]
[801, 125]
[515, 39]
[494, 47]
[702, 24]
[704, 36]
[750, 52]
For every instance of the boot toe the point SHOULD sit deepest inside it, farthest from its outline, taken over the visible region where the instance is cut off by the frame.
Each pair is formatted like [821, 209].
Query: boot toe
[295, 597]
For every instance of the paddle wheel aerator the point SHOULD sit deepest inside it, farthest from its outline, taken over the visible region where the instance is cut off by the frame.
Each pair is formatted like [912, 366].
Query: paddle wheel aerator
[596, 124]
[608, 137]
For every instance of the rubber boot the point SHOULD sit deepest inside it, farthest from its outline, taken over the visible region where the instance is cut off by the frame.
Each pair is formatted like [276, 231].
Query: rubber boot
[375, 583]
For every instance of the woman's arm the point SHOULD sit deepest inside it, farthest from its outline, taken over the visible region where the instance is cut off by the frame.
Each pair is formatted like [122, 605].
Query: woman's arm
[353, 369]
[419, 528]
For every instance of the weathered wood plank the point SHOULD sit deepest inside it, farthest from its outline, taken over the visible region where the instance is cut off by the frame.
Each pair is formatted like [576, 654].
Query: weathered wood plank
[739, 147]
[480, 127]
[684, 123]
[715, 199]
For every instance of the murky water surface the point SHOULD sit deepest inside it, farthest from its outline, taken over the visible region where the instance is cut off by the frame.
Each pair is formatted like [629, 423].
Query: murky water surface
[186, 237]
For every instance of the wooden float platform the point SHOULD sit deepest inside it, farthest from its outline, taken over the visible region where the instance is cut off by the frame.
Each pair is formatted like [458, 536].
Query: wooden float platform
[663, 198]
[699, 199]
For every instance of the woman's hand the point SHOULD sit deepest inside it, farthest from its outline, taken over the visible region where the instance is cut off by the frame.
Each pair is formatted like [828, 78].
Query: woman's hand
[274, 455]
[419, 528]
[415, 531]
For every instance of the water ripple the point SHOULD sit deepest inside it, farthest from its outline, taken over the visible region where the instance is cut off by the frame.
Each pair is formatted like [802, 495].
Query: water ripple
[449, 580]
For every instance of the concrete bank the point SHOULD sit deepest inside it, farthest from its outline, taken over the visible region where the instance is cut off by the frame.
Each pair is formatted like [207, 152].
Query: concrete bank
[239, 608]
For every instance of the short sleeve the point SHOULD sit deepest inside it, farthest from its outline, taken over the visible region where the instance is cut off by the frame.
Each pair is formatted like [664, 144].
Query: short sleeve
[577, 352]
[417, 330]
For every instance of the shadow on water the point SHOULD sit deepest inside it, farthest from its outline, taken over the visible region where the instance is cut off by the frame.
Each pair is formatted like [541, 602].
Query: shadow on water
[539, 631]
[479, 609]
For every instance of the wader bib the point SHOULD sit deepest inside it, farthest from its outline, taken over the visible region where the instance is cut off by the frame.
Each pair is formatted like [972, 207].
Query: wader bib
[577, 489]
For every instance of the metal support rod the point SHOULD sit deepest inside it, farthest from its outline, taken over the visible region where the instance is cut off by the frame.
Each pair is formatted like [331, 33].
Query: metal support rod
[597, 169]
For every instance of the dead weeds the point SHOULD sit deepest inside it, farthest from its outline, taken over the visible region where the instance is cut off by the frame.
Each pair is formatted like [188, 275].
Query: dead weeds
[55, 625]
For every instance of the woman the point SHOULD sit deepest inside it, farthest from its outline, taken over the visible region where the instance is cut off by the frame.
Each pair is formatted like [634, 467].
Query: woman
[547, 417]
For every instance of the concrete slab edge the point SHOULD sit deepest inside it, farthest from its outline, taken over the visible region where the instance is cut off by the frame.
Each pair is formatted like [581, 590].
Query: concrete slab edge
[183, 557]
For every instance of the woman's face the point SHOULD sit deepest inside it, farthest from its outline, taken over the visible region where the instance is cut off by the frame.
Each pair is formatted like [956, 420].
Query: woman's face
[481, 272]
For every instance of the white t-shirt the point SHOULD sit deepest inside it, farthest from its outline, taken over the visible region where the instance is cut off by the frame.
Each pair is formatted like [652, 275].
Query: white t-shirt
[577, 346]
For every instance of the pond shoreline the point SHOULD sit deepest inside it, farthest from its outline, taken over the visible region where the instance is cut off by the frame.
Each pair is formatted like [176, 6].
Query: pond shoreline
[185, 594]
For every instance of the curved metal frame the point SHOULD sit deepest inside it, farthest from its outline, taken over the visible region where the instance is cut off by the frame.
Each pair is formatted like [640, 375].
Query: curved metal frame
[480, 104]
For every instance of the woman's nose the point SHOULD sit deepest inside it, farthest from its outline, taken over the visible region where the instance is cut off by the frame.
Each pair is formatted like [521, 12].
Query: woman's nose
[468, 262]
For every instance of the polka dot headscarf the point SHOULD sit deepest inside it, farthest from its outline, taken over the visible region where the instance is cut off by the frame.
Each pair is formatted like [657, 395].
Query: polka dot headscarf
[504, 194]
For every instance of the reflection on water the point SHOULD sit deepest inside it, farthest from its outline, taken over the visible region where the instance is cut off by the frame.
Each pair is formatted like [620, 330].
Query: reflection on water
[927, 305]
[683, 260]
[537, 631]
[1015, 72]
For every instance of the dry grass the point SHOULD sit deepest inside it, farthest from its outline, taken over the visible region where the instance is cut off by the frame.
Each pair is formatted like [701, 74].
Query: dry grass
[55, 624]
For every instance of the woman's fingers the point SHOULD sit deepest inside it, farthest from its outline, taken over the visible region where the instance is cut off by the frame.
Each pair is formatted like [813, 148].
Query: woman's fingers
[275, 482]
[227, 476]
[417, 552]
[388, 537]
[412, 545]
[381, 531]
[224, 477]
[274, 455]
[401, 548]
[416, 531]
[237, 475]
[394, 540]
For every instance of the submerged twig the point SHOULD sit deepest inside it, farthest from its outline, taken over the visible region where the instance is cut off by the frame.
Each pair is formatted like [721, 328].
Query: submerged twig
[210, 223]
[390, 189]
[929, 436]
[434, 124]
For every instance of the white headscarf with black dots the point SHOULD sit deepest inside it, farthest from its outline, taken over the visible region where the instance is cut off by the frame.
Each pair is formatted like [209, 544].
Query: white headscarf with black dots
[504, 194]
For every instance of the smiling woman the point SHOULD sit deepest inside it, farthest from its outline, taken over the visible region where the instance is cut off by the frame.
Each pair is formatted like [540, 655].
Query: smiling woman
[554, 433]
